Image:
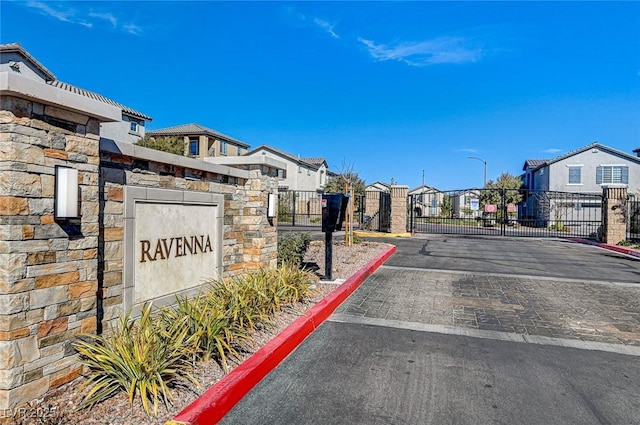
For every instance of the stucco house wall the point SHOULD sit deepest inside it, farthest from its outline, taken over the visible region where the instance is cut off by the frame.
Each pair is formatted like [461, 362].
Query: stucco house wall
[553, 174]
[589, 161]
[299, 174]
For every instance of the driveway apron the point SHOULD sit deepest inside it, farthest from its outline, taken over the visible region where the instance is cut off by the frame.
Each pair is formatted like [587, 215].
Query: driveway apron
[470, 330]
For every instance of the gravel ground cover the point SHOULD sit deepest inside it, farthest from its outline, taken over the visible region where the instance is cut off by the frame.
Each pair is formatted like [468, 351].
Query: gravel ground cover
[59, 407]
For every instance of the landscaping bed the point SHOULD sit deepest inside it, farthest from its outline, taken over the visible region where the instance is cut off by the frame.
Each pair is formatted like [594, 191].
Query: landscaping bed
[59, 407]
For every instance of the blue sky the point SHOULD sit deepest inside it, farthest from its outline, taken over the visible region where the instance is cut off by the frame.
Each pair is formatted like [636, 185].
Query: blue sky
[387, 89]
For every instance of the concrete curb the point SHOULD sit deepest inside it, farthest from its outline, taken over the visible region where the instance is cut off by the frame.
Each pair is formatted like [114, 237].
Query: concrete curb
[367, 234]
[616, 248]
[218, 400]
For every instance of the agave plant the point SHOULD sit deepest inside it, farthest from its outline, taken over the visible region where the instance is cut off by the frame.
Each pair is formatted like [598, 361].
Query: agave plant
[141, 357]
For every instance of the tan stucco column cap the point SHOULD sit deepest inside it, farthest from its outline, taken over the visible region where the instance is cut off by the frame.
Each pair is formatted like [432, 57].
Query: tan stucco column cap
[140, 152]
[16, 85]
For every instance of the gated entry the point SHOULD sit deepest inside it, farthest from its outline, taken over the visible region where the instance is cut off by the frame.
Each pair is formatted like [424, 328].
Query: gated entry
[384, 212]
[301, 208]
[506, 212]
[633, 218]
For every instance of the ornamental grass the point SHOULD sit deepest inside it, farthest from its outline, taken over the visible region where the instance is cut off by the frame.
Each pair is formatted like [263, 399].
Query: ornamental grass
[142, 357]
[147, 356]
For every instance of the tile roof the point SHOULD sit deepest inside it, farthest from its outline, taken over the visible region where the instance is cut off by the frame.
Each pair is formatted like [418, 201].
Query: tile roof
[594, 145]
[51, 80]
[534, 163]
[423, 188]
[192, 130]
[99, 97]
[17, 48]
[313, 162]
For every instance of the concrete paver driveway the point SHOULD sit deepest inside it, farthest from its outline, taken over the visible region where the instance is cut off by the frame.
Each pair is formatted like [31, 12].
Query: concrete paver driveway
[458, 330]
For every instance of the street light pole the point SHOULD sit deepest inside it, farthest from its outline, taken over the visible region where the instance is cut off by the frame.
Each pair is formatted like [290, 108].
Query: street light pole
[485, 168]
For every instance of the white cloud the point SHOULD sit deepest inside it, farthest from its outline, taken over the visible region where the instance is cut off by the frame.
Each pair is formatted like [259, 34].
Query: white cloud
[328, 27]
[61, 14]
[439, 50]
[552, 150]
[132, 29]
[468, 150]
[299, 18]
[107, 17]
[79, 16]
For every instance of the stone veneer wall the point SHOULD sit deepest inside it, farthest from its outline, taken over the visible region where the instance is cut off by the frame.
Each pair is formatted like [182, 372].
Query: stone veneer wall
[60, 279]
[399, 195]
[614, 225]
[48, 270]
[249, 240]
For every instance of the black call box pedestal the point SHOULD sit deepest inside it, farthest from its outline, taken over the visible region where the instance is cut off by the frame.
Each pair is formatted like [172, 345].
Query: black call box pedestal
[334, 207]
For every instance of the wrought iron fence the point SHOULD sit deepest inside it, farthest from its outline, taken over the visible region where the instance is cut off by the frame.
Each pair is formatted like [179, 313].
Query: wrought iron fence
[507, 212]
[300, 208]
[633, 218]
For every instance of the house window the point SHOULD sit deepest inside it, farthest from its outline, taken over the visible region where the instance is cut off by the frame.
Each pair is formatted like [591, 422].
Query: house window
[282, 174]
[606, 174]
[133, 126]
[223, 148]
[193, 147]
[575, 174]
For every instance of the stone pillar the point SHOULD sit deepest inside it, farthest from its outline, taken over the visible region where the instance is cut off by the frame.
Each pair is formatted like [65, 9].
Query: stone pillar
[399, 208]
[48, 268]
[614, 223]
[260, 237]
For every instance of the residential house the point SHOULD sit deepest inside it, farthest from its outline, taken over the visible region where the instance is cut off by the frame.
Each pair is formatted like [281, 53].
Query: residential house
[378, 187]
[130, 125]
[465, 203]
[201, 142]
[584, 171]
[426, 201]
[299, 174]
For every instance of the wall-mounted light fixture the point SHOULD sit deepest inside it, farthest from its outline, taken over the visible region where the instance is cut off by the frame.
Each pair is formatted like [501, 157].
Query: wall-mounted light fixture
[65, 204]
[272, 205]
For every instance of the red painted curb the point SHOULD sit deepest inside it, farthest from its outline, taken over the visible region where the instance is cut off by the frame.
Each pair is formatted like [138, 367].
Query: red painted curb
[218, 400]
[621, 249]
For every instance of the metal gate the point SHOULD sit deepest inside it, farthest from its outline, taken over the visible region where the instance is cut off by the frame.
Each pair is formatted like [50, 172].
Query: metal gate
[506, 212]
[384, 212]
[300, 208]
[303, 208]
[633, 219]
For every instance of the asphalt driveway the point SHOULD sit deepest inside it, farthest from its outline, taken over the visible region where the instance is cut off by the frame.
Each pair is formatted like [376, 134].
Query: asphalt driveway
[519, 256]
[459, 330]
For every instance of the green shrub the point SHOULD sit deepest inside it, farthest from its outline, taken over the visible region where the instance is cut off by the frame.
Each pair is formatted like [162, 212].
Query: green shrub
[292, 247]
[629, 244]
[141, 357]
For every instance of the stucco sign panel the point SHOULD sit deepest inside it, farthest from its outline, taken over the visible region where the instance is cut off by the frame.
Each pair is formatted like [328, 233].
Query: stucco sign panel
[175, 248]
